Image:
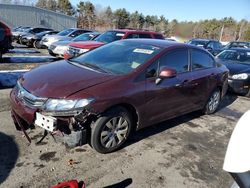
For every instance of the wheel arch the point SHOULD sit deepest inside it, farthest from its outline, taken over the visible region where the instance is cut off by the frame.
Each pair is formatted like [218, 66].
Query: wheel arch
[131, 109]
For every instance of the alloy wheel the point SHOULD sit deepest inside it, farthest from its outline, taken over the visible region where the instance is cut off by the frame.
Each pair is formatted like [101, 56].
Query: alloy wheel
[114, 132]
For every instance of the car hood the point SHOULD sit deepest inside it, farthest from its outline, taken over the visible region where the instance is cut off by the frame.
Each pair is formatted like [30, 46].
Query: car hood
[62, 43]
[86, 44]
[58, 37]
[61, 79]
[235, 67]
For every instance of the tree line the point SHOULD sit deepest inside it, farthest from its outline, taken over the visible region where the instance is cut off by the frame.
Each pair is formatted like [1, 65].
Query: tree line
[102, 18]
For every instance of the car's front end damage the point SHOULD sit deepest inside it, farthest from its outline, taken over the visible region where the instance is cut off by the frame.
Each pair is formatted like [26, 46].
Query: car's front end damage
[67, 120]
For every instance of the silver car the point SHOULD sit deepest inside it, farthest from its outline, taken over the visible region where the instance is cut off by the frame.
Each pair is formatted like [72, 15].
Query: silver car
[66, 34]
[58, 48]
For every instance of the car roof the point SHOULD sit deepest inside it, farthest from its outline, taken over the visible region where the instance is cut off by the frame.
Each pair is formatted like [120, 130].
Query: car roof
[162, 43]
[134, 31]
[200, 39]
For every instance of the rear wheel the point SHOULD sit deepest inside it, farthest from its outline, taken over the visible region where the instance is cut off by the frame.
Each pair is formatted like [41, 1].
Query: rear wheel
[213, 102]
[111, 130]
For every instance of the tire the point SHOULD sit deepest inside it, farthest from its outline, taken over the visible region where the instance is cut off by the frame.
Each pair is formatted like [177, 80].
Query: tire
[213, 102]
[247, 94]
[37, 44]
[104, 131]
[51, 53]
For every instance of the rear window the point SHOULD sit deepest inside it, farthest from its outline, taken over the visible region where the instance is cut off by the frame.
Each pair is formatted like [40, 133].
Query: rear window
[110, 36]
[65, 32]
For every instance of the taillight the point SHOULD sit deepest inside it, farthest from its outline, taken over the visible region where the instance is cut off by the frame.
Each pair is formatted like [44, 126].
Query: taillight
[7, 30]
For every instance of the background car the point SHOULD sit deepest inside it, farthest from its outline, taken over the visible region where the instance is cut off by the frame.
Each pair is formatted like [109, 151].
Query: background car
[33, 40]
[122, 86]
[237, 60]
[78, 48]
[32, 31]
[18, 31]
[5, 38]
[236, 44]
[66, 34]
[59, 48]
[213, 46]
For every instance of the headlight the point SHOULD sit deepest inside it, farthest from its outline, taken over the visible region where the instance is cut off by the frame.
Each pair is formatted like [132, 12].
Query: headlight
[81, 51]
[242, 76]
[65, 105]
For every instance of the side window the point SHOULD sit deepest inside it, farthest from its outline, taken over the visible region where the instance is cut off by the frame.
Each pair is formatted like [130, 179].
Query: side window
[158, 36]
[133, 35]
[145, 36]
[177, 59]
[152, 70]
[76, 33]
[201, 60]
[211, 45]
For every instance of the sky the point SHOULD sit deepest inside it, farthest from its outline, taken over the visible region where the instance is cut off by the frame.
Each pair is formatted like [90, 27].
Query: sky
[182, 10]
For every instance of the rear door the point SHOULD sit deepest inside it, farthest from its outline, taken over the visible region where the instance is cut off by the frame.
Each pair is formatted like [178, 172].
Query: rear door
[204, 73]
[171, 96]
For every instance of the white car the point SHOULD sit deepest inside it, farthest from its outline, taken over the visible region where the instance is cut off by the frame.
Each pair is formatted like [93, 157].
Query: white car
[58, 48]
[66, 34]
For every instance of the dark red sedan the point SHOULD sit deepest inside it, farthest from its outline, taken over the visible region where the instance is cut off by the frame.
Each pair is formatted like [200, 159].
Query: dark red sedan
[106, 93]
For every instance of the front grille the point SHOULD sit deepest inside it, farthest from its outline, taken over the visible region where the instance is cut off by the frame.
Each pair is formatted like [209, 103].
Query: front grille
[74, 51]
[29, 99]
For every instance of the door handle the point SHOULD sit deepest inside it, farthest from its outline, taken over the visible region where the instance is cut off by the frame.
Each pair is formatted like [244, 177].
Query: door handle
[182, 84]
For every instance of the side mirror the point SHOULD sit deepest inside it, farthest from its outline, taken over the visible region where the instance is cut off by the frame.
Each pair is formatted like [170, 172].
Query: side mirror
[165, 72]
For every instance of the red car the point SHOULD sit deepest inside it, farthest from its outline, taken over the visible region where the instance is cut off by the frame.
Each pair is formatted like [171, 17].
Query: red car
[126, 85]
[78, 48]
[5, 38]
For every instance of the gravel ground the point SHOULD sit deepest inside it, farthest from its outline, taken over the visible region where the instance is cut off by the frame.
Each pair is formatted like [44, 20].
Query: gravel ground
[183, 152]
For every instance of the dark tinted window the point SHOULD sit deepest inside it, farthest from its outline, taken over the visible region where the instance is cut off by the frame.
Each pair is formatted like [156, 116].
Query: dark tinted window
[214, 45]
[201, 60]
[158, 36]
[177, 59]
[132, 35]
[152, 70]
[145, 36]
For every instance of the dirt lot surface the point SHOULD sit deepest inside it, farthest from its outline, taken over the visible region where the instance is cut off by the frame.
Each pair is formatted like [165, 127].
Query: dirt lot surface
[184, 152]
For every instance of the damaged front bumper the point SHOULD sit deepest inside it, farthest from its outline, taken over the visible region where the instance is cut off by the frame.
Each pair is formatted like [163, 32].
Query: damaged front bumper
[67, 128]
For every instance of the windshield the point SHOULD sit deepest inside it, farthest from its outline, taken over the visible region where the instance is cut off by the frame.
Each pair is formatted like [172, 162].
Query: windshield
[65, 32]
[83, 37]
[235, 56]
[198, 42]
[110, 36]
[118, 58]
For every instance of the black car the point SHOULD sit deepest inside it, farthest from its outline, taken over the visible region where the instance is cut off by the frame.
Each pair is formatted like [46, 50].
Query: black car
[213, 46]
[5, 38]
[31, 31]
[33, 40]
[237, 61]
[236, 44]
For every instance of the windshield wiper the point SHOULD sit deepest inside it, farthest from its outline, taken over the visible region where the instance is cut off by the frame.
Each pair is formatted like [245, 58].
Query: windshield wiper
[96, 67]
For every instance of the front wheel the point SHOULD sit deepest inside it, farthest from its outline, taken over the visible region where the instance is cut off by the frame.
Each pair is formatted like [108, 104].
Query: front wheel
[247, 94]
[213, 102]
[111, 130]
[37, 44]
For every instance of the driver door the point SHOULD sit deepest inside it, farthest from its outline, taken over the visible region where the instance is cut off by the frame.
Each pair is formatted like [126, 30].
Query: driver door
[170, 97]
